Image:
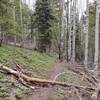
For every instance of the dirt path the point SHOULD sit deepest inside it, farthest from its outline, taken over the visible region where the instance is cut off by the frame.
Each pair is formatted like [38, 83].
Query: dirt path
[46, 93]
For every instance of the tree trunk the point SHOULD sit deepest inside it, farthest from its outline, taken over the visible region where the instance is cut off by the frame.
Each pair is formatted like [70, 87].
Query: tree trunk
[86, 36]
[0, 37]
[67, 28]
[96, 55]
[62, 32]
[14, 24]
[74, 31]
[21, 19]
[70, 34]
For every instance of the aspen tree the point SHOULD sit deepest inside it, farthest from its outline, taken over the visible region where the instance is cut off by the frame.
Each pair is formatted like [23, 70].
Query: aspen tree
[86, 36]
[62, 31]
[69, 27]
[14, 18]
[21, 19]
[74, 30]
[96, 54]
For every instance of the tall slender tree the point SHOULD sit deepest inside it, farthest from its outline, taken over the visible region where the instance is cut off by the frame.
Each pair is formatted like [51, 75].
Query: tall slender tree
[96, 55]
[74, 30]
[14, 20]
[70, 33]
[21, 22]
[86, 35]
[62, 31]
[67, 28]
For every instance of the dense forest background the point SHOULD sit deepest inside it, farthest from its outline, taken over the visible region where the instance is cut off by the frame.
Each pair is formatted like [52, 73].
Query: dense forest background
[41, 29]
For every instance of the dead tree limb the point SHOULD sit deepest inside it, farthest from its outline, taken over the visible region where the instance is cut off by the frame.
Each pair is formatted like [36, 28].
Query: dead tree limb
[42, 82]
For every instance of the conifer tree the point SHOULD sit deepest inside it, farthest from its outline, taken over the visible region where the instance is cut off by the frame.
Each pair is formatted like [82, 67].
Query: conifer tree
[43, 19]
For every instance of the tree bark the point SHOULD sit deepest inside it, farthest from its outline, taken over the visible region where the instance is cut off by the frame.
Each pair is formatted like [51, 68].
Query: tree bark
[21, 19]
[96, 55]
[86, 36]
[62, 32]
[14, 23]
[70, 34]
[74, 31]
[67, 29]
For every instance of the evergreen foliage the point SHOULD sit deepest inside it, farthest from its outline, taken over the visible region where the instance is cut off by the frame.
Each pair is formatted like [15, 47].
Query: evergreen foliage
[43, 19]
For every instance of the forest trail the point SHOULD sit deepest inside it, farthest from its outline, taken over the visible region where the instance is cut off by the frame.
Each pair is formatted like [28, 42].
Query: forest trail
[46, 93]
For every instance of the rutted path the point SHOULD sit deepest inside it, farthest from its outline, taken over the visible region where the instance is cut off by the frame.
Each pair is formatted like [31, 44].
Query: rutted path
[46, 93]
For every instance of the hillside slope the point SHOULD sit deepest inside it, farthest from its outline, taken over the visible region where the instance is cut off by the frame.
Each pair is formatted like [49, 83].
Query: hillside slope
[31, 62]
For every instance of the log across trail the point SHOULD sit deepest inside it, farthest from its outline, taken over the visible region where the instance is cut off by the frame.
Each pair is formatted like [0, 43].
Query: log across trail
[49, 84]
[40, 82]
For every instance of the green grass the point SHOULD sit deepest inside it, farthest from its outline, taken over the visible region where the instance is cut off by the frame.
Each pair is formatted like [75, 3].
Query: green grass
[34, 63]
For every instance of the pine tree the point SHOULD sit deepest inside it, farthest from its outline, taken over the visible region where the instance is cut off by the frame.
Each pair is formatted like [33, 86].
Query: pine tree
[43, 18]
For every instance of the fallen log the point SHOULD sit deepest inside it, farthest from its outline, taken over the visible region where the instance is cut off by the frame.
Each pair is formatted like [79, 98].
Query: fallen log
[41, 82]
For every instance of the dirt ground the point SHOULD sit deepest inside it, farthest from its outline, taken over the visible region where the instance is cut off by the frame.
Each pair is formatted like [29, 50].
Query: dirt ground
[46, 93]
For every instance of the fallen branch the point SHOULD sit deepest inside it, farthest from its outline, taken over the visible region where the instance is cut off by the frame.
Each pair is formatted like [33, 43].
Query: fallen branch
[55, 78]
[41, 82]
